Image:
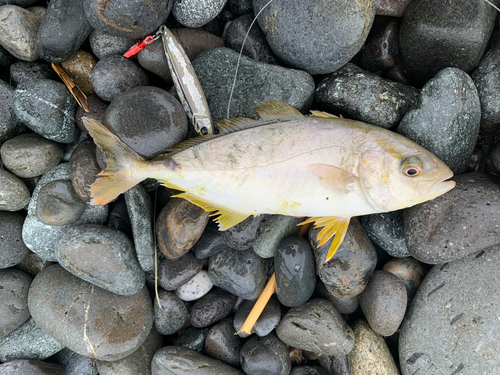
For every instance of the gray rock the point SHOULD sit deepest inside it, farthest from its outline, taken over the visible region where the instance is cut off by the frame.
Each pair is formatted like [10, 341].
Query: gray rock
[32, 264]
[336, 365]
[394, 8]
[58, 204]
[104, 45]
[6, 58]
[89, 320]
[97, 108]
[196, 13]
[76, 364]
[14, 194]
[267, 322]
[10, 125]
[30, 367]
[317, 327]
[47, 108]
[14, 286]
[446, 119]
[265, 355]
[459, 223]
[84, 168]
[366, 96]
[243, 235]
[172, 313]
[192, 338]
[210, 243]
[277, 229]
[12, 248]
[240, 6]
[23, 71]
[212, 307]
[21, 3]
[257, 82]
[452, 322]
[410, 271]
[172, 273]
[486, 77]
[221, 343]
[345, 306]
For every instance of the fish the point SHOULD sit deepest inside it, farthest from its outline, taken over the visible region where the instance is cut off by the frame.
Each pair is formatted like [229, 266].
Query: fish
[319, 166]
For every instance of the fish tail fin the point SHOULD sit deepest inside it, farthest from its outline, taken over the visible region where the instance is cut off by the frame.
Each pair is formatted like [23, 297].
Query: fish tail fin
[122, 165]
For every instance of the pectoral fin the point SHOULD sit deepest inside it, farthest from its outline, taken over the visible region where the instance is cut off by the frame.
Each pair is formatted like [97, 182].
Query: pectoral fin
[332, 178]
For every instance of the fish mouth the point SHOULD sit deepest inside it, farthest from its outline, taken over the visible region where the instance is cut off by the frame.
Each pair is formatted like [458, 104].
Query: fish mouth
[442, 186]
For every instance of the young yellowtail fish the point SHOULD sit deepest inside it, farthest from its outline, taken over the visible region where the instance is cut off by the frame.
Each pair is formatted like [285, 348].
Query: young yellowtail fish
[319, 166]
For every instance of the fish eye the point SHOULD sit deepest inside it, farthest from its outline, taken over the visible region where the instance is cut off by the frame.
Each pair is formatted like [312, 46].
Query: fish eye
[412, 167]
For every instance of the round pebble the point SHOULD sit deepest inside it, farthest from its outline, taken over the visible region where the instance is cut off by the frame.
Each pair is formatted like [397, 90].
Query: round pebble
[74, 363]
[192, 338]
[196, 13]
[172, 273]
[79, 68]
[58, 204]
[12, 248]
[394, 8]
[14, 286]
[222, 343]
[97, 108]
[22, 71]
[30, 367]
[210, 243]
[104, 45]
[10, 125]
[212, 307]
[14, 194]
[343, 305]
[274, 231]
[84, 168]
[243, 235]
[265, 355]
[171, 314]
[267, 321]
[195, 288]
[410, 271]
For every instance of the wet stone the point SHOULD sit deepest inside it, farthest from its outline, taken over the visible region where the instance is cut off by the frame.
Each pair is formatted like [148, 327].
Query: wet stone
[210, 243]
[32, 264]
[58, 204]
[394, 8]
[172, 273]
[47, 108]
[193, 339]
[63, 30]
[365, 96]
[18, 30]
[196, 13]
[265, 355]
[195, 288]
[212, 307]
[337, 365]
[222, 343]
[79, 68]
[104, 45]
[172, 313]
[456, 224]
[22, 71]
[102, 256]
[97, 108]
[10, 125]
[295, 269]
[12, 248]
[6, 58]
[118, 217]
[275, 231]
[240, 6]
[268, 320]
[215, 70]
[113, 75]
[242, 273]
[114, 325]
[30, 155]
[84, 168]
[147, 119]
[370, 353]
[316, 326]
[14, 286]
[308, 370]
[410, 271]
[30, 367]
[342, 305]
[14, 195]
[243, 235]
[76, 364]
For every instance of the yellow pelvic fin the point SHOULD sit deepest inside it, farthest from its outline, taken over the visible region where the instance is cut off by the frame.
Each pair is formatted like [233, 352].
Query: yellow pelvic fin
[277, 108]
[322, 114]
[331, 226]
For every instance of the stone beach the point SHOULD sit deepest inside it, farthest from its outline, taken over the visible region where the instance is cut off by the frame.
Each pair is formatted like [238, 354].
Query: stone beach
[408, 292]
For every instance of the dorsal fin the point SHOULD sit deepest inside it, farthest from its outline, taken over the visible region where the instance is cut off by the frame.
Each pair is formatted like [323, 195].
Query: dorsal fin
[322, 114]
[276, 108]
[234, 124]
[189, 143]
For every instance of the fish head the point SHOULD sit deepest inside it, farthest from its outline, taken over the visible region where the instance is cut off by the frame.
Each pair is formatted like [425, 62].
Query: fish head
[402, 174]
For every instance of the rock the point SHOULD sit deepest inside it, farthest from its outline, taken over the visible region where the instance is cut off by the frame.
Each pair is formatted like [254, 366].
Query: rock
[365, 96]
[178, 227]
[242, 273]
[104, 45]
[394, 8]
[435, 36]
[240, 6]
[243, 235]
[182, 361]
[29, 367]
[30, 155]
[408, 270]
[196, 13]
[14, 195]
[452, 134]
[277, 229]
[12, 248]
[337, 365]
[6, 58]
[210, 243]
[22, 71]
[343, 305]
[113, 75]
[172, 273]
[21, 3]
[32, 264]
[338, 29]
[76, 364]
[10, 125]
[118, 217]
[457, 224]
[267, 322]
[348, 272]
[84, 168]
[14, 286]
[452, 318]
[486, 77]
[79, 68]
[223, 344]
[18, 30]
[58, 204]
[103, 325]
[370, 353]
[215, 70]
[147, 119]
[192, 338]
[384, 302]
[172, 313]
[212, 307]
[97, 108]
[47, 108]
[102, 256]
[265, 355]
[63, 30]
[195, 288]
[295, 270]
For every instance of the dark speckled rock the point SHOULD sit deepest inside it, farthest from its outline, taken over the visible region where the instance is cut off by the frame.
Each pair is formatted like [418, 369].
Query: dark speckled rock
[22, 71]
[14, 286]
[243, 235]
[192, 338]
[12, 248]
[58, 204]
[104, 45]
[172, 313]
[222, 343]
[9, 123]
[212, 307]
[84, 168]
[76, 364]
[210, 243]
[172, 273]
[30, 367]
[265, 355]
[268, 320]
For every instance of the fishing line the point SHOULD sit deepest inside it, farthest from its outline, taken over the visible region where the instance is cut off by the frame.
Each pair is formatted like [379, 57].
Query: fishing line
[156, 250]
[493, 5]
[241, 52]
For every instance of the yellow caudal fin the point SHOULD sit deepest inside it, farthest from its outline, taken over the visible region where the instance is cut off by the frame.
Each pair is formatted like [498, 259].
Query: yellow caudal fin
[331, 226]
[122, 161]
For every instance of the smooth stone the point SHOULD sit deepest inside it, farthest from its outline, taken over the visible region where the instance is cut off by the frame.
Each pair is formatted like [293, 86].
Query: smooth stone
[32, 264]
[295, 269]
[14, 286]
[14, 194]
[451, 323]
[118, 217]
[6, 59]
[242, 273]
[177, 360]
[101, 256]
[339, 31]
[22, 71]
[336, 365]
[381, 49]
[343, 305]
[172, 273]
[277, 229]
[240, 6]
[79, 68]
[366, 96]
[30, 155]
[147, 119]
[84, 168]
[178, 226]
[265, 355]
[215, 70]
[384, 302]
[196, 13]
[394, 8]
[243, 235]
[267, 321]
[97, 108]
[452, 135]
[141, 218]
[212, 307]
[308, 370]
[195, 288]
[410, 271]
[21, 3]
[103, 325]
[63, 30]
[76, 364]
[104, 45]
[370, 353]
[28, 341]
[18, 30]
[486, 77]
[137, 363]
[47, 108]
[223, 344]
[171, 315]
[493, 157]
[210, 243]
[58, 204]
[192, 338]
[30, 367]
[12, 248]
[348, 272]
[127, 19]
[435, 36]
[456, 224]
[10, 125]
[387, 231]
